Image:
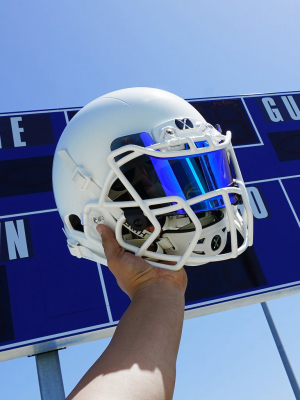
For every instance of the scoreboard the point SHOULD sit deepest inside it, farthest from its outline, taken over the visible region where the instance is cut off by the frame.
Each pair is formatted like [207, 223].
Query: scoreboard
[49, 299]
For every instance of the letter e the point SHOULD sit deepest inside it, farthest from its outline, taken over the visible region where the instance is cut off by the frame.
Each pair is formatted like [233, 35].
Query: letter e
[16, 130]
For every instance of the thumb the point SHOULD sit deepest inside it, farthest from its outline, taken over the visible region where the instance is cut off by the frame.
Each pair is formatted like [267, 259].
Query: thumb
[111, 247]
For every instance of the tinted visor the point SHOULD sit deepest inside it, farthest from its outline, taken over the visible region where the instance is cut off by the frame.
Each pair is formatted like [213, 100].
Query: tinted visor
[186, 177]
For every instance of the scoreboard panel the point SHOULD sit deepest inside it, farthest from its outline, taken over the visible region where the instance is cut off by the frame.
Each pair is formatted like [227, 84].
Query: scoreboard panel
[49, 299]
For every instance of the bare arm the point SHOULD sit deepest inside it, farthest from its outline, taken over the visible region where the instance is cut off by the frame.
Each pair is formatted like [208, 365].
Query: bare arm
[140, 361]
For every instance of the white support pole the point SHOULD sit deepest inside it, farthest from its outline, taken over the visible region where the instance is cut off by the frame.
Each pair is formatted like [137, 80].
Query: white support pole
[50, 377]
[284, 358]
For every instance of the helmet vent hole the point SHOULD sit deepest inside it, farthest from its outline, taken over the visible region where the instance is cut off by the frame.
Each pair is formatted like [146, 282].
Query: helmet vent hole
[75, 222]
[224, 230]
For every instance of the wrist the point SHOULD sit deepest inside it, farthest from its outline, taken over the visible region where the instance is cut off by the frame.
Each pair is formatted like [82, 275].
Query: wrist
[161, 289]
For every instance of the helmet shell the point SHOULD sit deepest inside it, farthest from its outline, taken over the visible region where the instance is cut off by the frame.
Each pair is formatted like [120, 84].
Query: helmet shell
[89, 134]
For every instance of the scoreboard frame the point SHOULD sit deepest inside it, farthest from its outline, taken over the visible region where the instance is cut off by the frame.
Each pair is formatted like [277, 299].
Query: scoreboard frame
[40, 310]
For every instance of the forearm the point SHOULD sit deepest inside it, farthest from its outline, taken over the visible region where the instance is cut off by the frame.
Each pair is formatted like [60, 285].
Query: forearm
[149, 334]
[140, 361]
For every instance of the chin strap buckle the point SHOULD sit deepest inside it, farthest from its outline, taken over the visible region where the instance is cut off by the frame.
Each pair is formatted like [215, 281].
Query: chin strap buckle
[74, 248]
[81, 178]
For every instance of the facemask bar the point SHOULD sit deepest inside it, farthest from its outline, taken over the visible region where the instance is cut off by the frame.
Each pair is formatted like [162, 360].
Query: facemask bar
[161, 150]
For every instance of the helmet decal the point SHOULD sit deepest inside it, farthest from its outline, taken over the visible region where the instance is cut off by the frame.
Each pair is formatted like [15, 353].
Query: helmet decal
[184, 123]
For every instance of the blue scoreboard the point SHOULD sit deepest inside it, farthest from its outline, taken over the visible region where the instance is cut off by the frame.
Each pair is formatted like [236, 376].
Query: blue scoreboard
[49, 299]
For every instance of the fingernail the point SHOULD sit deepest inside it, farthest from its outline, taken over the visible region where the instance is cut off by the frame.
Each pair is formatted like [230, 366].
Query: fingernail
[99, 229]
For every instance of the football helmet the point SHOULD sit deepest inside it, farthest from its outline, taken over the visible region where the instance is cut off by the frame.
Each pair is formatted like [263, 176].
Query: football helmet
[144, 162]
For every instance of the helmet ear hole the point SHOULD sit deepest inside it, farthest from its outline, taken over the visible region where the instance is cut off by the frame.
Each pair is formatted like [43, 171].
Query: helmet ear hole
[75, 222]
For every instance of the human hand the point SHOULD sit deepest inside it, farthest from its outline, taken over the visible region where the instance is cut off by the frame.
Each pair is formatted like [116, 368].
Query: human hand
[134, 274]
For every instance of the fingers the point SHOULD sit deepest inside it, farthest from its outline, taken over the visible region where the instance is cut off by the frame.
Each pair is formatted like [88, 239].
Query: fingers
[111, 247]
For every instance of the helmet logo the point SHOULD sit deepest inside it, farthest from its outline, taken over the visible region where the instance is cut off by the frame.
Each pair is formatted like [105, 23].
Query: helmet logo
[184, 123]
[216, 242]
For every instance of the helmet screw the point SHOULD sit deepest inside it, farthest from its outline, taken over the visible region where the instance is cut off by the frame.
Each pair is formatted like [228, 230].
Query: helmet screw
[98, 220]
[137, 222]
[168, 133]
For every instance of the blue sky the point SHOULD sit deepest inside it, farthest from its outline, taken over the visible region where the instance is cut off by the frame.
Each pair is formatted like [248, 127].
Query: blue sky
[66, 53]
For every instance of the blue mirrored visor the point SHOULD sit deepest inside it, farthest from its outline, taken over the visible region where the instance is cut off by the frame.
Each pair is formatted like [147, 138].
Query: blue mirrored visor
[186, 177]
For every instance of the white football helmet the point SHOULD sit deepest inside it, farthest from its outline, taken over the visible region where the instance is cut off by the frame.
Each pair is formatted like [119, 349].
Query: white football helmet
[145, 162]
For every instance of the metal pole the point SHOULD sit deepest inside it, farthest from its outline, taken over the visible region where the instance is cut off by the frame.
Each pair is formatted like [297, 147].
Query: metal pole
[49, 374]
[282, 353]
